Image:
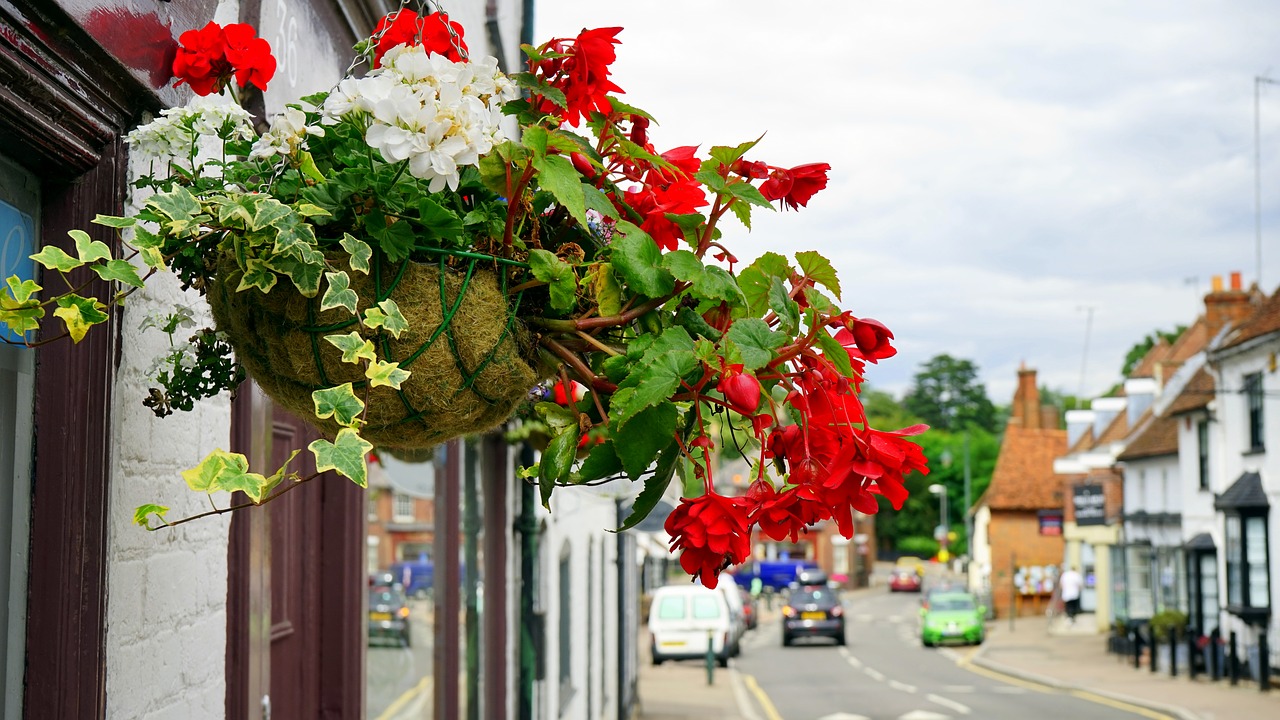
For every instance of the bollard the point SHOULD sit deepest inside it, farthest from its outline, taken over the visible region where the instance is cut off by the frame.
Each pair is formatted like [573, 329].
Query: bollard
[1191, 654]
[1233, 661]
[1173, 652]
[1264, 662]
[1137, 647]
[1215, 645]
[1155, 646]
[711, 658]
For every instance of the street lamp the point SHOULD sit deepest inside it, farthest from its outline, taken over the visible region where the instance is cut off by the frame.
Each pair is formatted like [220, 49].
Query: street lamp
[941, 492]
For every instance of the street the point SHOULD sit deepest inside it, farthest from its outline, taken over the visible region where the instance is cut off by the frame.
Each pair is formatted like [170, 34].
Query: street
[884, 673]
[399, 678]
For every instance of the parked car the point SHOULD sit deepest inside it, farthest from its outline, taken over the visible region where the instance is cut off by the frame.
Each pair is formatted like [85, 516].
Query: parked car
[810, 578]
[952, 617]
[906, 578]
[685, 619]
[813, 612]
[940, 587]
[750, 608]
[389, 614]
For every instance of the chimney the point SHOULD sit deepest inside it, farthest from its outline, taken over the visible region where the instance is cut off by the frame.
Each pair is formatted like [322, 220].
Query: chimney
[1028, 399]
[1223, 307]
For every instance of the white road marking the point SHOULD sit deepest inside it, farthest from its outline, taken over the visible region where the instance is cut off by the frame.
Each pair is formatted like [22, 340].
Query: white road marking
[844, 716]
[853, 661]
[923, 715]
[957, 688]
[948, 703]
[864, 617]
[874, 674]
[1008, 690]
[904, 687]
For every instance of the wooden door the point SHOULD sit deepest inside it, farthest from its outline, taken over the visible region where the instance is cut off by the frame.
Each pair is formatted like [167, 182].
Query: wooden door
[295, 627]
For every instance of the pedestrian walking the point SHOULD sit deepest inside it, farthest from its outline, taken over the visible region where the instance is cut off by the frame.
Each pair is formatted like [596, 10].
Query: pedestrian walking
[1071, 584]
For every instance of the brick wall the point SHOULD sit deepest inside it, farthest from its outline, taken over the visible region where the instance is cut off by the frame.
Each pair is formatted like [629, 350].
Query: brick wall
[1018, 532]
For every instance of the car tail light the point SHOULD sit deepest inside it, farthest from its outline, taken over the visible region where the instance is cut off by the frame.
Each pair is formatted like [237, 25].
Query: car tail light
[789, 611]
[837, 611]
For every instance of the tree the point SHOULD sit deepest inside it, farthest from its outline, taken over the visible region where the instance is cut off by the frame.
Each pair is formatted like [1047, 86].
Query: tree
[1061, 400]
[1143, 346]
[946, 394]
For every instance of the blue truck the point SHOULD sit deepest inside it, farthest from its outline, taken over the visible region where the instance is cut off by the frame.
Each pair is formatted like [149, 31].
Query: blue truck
[417, 576]
[775, 574]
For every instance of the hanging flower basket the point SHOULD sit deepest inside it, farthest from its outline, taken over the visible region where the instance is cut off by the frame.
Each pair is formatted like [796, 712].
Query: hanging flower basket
[433, 247]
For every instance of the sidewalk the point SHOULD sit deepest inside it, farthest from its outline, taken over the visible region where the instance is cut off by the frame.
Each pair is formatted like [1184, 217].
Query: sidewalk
[1076, 662]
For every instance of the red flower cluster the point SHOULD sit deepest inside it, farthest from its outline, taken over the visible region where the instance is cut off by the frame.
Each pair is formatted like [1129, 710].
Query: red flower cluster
[208, 58]
[794, 187]
[435, 32]
[579, 68]
[671, 190]
[711, 532]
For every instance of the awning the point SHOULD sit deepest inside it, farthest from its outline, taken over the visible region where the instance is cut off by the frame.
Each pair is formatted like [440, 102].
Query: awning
[1246, 493]
[1203, 541]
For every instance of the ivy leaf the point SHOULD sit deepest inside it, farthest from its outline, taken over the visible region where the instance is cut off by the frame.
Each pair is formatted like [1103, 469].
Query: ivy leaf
[87, 249]
[638, 261]
[556, 462]
[339, 293]
[655, 486]
[279, 475]
[340, 403]
[787, 310]
[354, 348]
[648, 433]
[114, 221]
[819, 269]
[204, 477]
[178, 205]
[120, 271]
[347, 455]
[386, 315]
[18, 309]
[559, 276]
[359, 250]
[257, 274]
[305, 276]
[756, 279]
[293, 235]
[310, 210]
[53, 258]
[385, 374]
[755, 341]
[833, 351]
[250, 483]
[269, 212]
[142, 515]
[21, 291]
[80, 314]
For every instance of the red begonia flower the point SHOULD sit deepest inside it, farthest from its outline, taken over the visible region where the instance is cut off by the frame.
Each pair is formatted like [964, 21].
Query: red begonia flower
[786, 514]
[871, 337]
[567, 395]
[581, 73]
[741, 390]
[796, 186]
[712, 533]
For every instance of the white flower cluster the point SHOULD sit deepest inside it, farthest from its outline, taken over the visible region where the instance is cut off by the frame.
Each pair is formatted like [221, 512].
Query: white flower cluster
[438, 114]
[288, 132]
[178, 133]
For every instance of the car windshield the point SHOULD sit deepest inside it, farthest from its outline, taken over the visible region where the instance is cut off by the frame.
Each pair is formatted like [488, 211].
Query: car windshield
[952, 602]
[383, 597]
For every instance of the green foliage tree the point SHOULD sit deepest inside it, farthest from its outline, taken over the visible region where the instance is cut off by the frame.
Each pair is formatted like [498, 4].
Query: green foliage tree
[946, 394]
[1062, 400]
[1143, 346]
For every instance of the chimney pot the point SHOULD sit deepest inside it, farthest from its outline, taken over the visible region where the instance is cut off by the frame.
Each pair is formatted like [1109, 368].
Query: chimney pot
[1217, 283]
[1235, 280]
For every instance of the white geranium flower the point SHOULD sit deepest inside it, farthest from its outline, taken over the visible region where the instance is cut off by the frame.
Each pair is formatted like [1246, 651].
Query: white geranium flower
[288, 133]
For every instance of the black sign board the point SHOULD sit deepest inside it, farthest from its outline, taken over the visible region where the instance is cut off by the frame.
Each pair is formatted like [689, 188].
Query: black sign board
[1090, 505]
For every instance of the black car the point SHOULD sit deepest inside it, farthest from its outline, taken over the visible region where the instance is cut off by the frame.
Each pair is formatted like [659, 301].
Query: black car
[813, 612]
[389, 614]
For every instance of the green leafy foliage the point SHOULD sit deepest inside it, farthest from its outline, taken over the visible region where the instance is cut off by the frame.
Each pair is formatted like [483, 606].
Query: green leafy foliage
[339, 403]
[347, 455]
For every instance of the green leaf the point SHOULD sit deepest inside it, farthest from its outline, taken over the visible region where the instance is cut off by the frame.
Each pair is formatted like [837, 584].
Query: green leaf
[756, 279]
[439, 221]
[559, 276]
[755, 341]
[87, 249]
[80, 314]
[305, 276]
[251, 484]
[655, 486]
[53, 258]
[787, 310]
[21, 291]
[386, 315]
[598, 201]
[142, 515]
[204, 477]
[354, 347]
[556, 462]
[385, 374]
[339, 293]
[114, 221]
[638, 261]
[726, 155]
[347, 455]
[748, 194]
[607, 290]
[396, 240]
[179, 204]
[557, 417]
[833, 351]
[601, 462]
[269, 212]
[535, 138]
[340, 403]
[742, 211]
[307, 165]
[647, 433]
[258, 274]
[558, 176]
[819, 269]
[120, 271]
[359, 250]
[656, 377]
[684, 265]
[818, 301]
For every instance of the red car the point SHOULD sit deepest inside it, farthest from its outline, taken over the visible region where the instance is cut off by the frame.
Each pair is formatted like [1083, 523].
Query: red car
[905, 578]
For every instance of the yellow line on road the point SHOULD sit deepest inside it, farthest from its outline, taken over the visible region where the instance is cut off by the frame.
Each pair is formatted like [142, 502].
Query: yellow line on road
[765, 703]
[406, 698]
[966, 663]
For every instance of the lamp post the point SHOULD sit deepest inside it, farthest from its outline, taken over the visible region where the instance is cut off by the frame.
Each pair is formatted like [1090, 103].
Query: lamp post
[941, 492]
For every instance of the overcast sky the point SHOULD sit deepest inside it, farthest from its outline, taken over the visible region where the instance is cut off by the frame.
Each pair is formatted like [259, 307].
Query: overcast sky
[998, 168]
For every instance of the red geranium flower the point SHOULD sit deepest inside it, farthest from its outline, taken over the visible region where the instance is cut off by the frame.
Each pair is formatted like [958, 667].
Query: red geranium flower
[796, 186]
[250, 55]
[712, 533]
[406, 27]
[208, 58]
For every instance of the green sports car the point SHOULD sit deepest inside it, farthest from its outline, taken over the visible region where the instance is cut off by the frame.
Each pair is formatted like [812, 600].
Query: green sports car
[952, 617]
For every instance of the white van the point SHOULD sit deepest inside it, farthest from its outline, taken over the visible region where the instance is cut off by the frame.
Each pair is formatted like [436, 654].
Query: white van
[737, 616]
[684, 618]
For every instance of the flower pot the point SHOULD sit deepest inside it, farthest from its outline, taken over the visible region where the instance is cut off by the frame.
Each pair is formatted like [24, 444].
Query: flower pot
[468, 355]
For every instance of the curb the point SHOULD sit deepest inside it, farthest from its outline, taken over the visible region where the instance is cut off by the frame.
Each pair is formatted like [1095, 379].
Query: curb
[1171, 710]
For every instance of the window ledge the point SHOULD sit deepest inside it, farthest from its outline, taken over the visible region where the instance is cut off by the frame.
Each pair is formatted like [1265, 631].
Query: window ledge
[1259, 450]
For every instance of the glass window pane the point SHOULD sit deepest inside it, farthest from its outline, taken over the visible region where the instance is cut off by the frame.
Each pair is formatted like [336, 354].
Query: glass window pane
[1255, 535]
[705, 607]
[1233, 549]
[1209, 592]
[671, 608]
